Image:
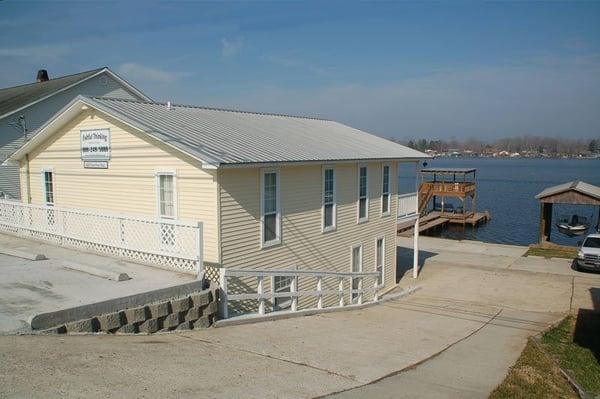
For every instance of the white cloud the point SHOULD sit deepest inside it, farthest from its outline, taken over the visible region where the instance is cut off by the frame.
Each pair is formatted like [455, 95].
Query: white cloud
[37, 53]
[231, 48]
[287, 62]
[486, 102]
[145, 73]
[292, 62]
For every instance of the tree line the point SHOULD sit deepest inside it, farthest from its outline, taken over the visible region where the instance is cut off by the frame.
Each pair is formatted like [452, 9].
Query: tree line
[535, 144]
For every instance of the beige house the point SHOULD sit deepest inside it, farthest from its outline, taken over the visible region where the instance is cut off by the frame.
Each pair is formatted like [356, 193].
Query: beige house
[272, 191]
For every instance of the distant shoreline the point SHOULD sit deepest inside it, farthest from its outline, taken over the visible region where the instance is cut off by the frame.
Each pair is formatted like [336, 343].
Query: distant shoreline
[513, 158]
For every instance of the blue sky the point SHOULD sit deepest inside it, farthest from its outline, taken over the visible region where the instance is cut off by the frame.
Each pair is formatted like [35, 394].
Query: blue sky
[396, 69]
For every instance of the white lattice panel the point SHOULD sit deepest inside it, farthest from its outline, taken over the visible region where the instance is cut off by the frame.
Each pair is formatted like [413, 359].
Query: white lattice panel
[172, 244]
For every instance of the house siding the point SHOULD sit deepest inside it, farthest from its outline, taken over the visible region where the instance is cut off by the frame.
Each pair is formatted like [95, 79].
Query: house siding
[37, 114]
[129, 183]
[304, 245]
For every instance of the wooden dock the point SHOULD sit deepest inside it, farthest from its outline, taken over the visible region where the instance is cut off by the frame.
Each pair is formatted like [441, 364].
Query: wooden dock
[435, 221]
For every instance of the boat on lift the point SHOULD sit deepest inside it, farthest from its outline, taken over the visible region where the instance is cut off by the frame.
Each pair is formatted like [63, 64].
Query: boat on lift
[573, 225]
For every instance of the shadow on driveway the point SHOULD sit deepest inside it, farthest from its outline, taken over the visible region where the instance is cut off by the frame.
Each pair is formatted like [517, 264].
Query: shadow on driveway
[404, 260]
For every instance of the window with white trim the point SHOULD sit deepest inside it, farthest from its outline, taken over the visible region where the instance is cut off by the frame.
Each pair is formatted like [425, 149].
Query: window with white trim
[48, 187]
[363, 192]
[270, 209]
[329, 206]
[385, 190]
[282, 284]
[166, 194]
[380, 259]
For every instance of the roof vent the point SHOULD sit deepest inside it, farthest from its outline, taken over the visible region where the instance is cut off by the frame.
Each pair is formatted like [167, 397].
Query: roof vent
[168, 104]
[42, 76]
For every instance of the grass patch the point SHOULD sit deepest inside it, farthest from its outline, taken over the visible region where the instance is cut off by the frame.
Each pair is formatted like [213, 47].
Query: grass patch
[552, 253]
[574, 343]
[534, 376]
[575, 346]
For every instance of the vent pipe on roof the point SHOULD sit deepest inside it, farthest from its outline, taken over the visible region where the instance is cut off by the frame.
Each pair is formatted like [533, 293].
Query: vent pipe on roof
[42, 76]
[168, 104]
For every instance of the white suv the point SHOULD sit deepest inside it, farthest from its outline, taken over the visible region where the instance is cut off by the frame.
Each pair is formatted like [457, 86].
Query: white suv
[588, 256]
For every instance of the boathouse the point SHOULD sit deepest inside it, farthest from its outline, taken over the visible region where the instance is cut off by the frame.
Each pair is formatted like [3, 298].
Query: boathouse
[571, 193]
[307, 197]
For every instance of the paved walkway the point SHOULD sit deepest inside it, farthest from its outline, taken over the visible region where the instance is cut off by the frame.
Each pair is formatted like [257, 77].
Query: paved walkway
[455, 337]
[470, 368]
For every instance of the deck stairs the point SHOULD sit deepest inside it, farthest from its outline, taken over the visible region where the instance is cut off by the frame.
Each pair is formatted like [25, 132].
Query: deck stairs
[425, 194]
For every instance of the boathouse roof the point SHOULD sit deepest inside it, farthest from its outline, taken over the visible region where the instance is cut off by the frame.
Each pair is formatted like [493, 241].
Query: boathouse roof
[573, 192]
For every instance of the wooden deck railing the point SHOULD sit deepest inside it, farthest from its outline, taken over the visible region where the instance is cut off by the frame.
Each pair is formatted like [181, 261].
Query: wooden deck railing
[449, 187]
[264, 297]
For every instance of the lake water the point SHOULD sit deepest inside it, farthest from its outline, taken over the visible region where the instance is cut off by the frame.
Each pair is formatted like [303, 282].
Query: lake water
[507, 188]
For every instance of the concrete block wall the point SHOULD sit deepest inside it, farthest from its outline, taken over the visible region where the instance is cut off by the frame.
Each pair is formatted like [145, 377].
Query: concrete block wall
[196, 310]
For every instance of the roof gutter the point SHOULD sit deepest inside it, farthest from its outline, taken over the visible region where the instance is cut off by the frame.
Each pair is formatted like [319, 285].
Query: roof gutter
[315, 162]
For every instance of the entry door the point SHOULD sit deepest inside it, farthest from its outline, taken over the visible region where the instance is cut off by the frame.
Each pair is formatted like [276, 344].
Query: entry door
[356, 268]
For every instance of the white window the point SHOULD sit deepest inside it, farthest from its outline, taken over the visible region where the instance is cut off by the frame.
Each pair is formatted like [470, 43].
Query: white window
[363, 194]
[270, 210]
[356, 268]
[48, 179]
[385, 191]
[329, 206]
[380, 260]
[166, 194]
[282, 284]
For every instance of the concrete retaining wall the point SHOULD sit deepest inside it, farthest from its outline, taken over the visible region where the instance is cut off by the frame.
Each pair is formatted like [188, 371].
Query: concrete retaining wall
[194, 310]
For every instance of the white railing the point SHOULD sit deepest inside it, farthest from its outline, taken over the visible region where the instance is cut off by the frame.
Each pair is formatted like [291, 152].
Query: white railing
[257, 288]
[171, 244]
[407, 205]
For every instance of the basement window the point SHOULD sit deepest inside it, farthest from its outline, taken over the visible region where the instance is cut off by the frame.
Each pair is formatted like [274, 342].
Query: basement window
[380, 260]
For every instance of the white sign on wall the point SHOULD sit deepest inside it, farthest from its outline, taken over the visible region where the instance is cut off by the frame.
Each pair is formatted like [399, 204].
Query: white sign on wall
[95, 145]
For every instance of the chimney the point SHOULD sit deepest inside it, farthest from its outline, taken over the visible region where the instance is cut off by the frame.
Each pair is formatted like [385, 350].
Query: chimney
[42, 76]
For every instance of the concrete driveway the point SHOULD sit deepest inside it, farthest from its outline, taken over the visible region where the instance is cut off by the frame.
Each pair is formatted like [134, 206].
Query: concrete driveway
[455, 337]
[30, 287]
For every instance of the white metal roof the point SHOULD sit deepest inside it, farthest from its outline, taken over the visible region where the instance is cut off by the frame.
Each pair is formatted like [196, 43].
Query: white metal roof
[576, 185]
[224, 137]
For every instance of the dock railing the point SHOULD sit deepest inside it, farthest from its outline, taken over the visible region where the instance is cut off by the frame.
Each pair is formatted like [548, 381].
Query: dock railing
[451, 187]
[407, 205]
[256, 293]
[170, 244]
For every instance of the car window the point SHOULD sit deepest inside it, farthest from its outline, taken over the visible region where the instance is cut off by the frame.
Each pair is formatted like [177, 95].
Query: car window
[592, 242]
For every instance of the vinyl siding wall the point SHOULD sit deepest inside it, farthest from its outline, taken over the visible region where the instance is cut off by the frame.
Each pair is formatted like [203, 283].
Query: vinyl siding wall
[304, 245]
[37, 114]
[129, 183]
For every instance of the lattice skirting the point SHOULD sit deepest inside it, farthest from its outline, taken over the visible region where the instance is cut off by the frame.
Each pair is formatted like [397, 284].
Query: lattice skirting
[162, 261]
[211, 273]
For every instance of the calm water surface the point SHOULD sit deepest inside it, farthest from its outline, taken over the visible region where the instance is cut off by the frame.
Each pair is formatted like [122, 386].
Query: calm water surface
[507, 188]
